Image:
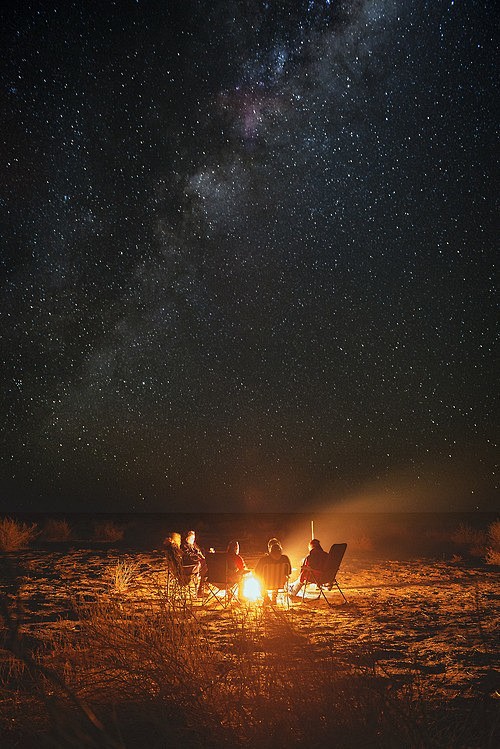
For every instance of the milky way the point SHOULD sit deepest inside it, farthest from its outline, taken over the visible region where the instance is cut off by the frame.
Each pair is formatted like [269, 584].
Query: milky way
[248, 255]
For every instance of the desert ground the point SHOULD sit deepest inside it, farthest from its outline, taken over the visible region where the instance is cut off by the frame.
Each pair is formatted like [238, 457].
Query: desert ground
[422, 632]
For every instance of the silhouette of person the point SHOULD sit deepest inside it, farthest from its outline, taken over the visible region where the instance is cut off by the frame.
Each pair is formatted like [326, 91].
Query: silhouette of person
[274, 556]
[311, 567]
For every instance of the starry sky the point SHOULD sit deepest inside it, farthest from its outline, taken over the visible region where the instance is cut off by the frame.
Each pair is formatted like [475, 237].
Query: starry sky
[247, 255]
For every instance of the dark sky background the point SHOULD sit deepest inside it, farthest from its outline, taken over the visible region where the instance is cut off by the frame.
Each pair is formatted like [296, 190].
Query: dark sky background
[247, 255]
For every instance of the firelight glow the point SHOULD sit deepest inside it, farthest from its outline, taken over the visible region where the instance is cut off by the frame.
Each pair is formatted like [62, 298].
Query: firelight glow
[251, 588]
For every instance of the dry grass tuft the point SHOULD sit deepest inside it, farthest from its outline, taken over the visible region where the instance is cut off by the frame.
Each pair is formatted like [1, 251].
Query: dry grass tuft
[108, 531]
[494, 535]
[492, 556]
[56, 530]
[15, 535]
[121, 575]
[467, 536]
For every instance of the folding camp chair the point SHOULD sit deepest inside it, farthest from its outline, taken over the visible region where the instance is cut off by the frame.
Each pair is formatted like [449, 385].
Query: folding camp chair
[327, 577]
[274, 579]
[217, 580]
[182, 585]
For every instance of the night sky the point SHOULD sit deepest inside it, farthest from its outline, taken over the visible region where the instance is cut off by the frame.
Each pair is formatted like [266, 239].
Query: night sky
[247, 255]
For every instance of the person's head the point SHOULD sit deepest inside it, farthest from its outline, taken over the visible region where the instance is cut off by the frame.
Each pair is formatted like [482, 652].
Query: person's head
[271, 543]
[314, 544]
[173, 539]
[190, 537]
[233, 547]
[275, 551]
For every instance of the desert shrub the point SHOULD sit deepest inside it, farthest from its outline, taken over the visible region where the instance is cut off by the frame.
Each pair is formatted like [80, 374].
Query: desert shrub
[121, 575]
[494, 535]
[15, 535]
[466, 535]
[108, 530]
[492, 556]
[56, 530]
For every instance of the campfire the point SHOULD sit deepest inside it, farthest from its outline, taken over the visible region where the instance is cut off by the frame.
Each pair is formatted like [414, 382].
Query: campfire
[251, 588]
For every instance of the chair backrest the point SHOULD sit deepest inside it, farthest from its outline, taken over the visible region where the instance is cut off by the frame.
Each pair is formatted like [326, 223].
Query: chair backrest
[189, 573]
[335, 557]
[274, 576]
[183, 574]
[217, 567]
[173, 562]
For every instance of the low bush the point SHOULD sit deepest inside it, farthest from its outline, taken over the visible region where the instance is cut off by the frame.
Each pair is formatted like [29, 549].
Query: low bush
[108, 531]
[492, 555]
[15, 535]
[494, 535]
[121, 575]
[466, 535]
[56, 530]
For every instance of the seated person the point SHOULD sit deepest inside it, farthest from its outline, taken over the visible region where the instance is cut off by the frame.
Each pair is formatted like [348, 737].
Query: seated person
[172, 546]
[193, 555]
[176, 560]
[274, 556]
[236, 567]
[311, 567]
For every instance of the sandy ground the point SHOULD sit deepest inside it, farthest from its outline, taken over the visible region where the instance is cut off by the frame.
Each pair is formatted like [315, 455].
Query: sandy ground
[435, 618]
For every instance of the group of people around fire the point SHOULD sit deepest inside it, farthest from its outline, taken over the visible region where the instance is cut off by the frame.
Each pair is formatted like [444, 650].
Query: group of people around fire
[188, 561]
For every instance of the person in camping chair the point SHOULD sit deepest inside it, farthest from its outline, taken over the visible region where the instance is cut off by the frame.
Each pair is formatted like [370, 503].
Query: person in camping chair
[236, 567]
[311, 566]
[192, 554]
[274, 556]
[172, 547]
